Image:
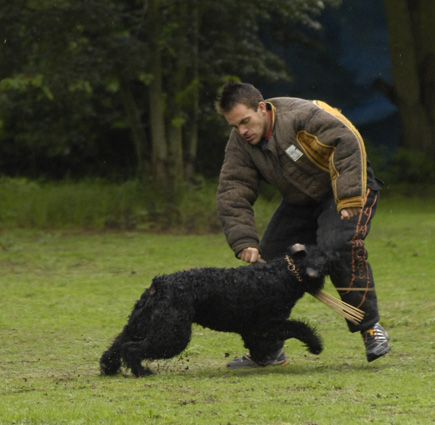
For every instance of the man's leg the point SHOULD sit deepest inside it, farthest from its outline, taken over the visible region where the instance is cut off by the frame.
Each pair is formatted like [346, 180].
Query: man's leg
[352, 270]
[261, 353]
[289, 225]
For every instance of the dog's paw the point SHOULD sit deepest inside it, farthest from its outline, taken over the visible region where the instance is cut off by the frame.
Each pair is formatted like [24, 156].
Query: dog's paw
[141, 372]
[315, 346]
[316, 350]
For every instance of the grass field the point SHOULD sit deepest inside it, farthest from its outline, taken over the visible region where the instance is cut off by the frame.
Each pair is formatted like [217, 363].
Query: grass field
[65, 295]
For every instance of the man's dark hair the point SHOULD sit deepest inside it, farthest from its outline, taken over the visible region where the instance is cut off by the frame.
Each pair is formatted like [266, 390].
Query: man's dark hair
[234, 93]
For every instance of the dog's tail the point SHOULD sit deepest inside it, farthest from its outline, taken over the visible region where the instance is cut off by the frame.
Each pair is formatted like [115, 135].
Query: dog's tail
[110, 362]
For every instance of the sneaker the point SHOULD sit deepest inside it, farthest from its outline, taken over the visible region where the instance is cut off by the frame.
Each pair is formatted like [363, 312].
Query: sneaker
[376, 341]
[245, 362]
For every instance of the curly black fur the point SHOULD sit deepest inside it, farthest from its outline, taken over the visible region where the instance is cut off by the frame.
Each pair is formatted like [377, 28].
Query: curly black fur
[254, 301]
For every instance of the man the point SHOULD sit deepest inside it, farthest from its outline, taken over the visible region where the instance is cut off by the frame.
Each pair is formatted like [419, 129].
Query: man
[316, 159]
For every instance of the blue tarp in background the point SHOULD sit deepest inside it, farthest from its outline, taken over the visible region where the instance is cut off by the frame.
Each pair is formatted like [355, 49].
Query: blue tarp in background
[354, 53]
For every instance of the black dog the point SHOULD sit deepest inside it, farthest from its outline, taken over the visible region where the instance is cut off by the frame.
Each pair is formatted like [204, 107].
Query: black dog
[254, 301]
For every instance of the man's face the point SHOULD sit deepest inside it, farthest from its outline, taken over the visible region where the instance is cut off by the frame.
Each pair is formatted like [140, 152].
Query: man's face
[251, 125]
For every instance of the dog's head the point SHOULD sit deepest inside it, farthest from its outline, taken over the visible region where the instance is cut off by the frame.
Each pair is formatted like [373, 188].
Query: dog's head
[309, 265]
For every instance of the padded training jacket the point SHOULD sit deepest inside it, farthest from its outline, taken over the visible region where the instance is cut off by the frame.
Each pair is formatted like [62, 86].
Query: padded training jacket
[313, 152]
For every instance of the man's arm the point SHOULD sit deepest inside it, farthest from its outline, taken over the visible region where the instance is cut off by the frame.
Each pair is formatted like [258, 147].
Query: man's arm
[237, 192]
[348, 161]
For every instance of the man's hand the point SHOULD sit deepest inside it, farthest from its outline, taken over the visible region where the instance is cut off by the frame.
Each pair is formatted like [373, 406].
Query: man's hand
[347, 213]
[250, 255]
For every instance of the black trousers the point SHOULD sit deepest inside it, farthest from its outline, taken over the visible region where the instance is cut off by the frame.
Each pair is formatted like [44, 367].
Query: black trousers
[323, 226]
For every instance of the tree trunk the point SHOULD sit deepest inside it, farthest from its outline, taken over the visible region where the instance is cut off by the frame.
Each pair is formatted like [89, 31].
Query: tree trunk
[425, 17]
[191, 142]
[175, 164]
[413, 71]
[137, 130]
[191, 133]
[156, 107]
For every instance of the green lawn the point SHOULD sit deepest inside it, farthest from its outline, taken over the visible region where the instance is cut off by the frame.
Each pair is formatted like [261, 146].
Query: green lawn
[66, 295]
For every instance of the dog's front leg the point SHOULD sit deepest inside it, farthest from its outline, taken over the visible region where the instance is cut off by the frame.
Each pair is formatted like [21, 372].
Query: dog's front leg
[287, 329]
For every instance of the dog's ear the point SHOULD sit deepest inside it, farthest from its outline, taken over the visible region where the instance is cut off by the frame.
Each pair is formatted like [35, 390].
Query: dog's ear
[298, 250]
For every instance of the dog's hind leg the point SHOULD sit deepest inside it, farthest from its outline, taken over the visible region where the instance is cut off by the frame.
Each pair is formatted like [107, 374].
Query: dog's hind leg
[110, 362]
[168, 336]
